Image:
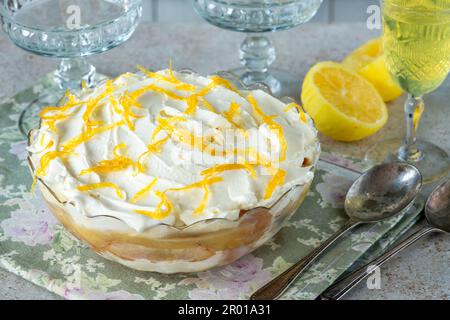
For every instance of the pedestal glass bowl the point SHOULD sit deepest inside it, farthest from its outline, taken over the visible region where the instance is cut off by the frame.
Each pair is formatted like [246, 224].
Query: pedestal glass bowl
[69, 30]
[256, 17]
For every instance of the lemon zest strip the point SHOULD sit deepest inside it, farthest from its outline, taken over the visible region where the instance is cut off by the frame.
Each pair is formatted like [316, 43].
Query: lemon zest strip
[277, 180]
[207, 104]
[107, 166]
[116, 150]
[100, 185]
[158, 214]
[143, 191]
[154, 147]
[200, 184]
[229, 166]
[179, 85]
[276, 128]
[301, 113]
[233, 111]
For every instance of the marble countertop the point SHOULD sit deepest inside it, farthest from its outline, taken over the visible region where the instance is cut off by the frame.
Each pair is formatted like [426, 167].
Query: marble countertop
[421, 272]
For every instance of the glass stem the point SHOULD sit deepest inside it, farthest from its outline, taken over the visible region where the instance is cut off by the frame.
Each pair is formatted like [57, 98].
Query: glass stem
[257, 54]
[413, 109]
[71, 73]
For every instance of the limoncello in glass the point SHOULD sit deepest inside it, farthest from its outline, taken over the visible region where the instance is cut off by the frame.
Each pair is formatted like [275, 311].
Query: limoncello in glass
[416, 41]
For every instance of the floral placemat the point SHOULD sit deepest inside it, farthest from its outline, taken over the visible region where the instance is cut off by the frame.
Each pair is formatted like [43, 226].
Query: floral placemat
[36, 247]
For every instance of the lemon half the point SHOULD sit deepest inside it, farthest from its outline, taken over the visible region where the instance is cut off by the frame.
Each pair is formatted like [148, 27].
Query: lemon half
[369, 61]
[344, 105]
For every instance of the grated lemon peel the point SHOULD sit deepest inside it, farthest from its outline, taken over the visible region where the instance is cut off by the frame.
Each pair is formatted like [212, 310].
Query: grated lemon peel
[163, 209]
[207, 181]
[229, 166]
[277, 179]
[100, 185]
[141, 193]
[119, 163]
[301, 114]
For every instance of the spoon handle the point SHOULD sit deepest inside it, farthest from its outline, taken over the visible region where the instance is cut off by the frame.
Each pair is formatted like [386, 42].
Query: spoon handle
[341, 287]
[275, 288]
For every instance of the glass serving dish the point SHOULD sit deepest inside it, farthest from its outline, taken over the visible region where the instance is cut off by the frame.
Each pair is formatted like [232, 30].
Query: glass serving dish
[69, 30]
[257, 53]
[169, 249]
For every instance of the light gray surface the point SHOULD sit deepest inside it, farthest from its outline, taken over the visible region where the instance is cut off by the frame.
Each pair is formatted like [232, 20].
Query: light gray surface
[420, 273]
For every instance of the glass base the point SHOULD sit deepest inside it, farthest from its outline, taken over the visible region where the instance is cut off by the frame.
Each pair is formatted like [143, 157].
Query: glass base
[434, 162]
[281, 83]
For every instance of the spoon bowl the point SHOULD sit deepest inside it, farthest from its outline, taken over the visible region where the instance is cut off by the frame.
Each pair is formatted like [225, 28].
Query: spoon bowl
[383, 191]
[437, 207]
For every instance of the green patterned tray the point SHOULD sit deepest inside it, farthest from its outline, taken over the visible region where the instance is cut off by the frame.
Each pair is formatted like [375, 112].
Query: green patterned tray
[36, 247]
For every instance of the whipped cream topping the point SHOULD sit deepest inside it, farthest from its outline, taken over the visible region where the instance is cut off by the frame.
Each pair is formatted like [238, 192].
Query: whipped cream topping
[172, 148]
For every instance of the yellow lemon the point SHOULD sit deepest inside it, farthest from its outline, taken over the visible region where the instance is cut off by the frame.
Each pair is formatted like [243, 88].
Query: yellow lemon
[344, 105]
[368, 60]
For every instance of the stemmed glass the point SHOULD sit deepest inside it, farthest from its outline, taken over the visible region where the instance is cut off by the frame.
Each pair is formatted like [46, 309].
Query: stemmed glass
[257, 52]
[416, 38]
[69, 30]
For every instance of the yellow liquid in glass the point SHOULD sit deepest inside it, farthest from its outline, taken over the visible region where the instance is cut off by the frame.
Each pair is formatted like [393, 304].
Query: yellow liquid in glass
[416, 39]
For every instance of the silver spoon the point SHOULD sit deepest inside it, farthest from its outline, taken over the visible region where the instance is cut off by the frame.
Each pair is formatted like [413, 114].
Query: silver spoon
[437, 212]
[379, 193]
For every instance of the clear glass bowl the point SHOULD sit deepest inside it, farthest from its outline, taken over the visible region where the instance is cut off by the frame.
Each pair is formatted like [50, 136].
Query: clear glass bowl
[38, 25]
[168, 249]
[69, 30]
[256, 52]
[257, 16]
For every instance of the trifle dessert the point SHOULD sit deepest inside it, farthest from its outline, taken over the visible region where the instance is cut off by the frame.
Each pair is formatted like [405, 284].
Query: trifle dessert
[172, 171]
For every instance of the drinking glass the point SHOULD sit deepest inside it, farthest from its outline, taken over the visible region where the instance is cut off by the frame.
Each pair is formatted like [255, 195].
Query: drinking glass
[416, 39]
[255, 17]
[69, 30]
